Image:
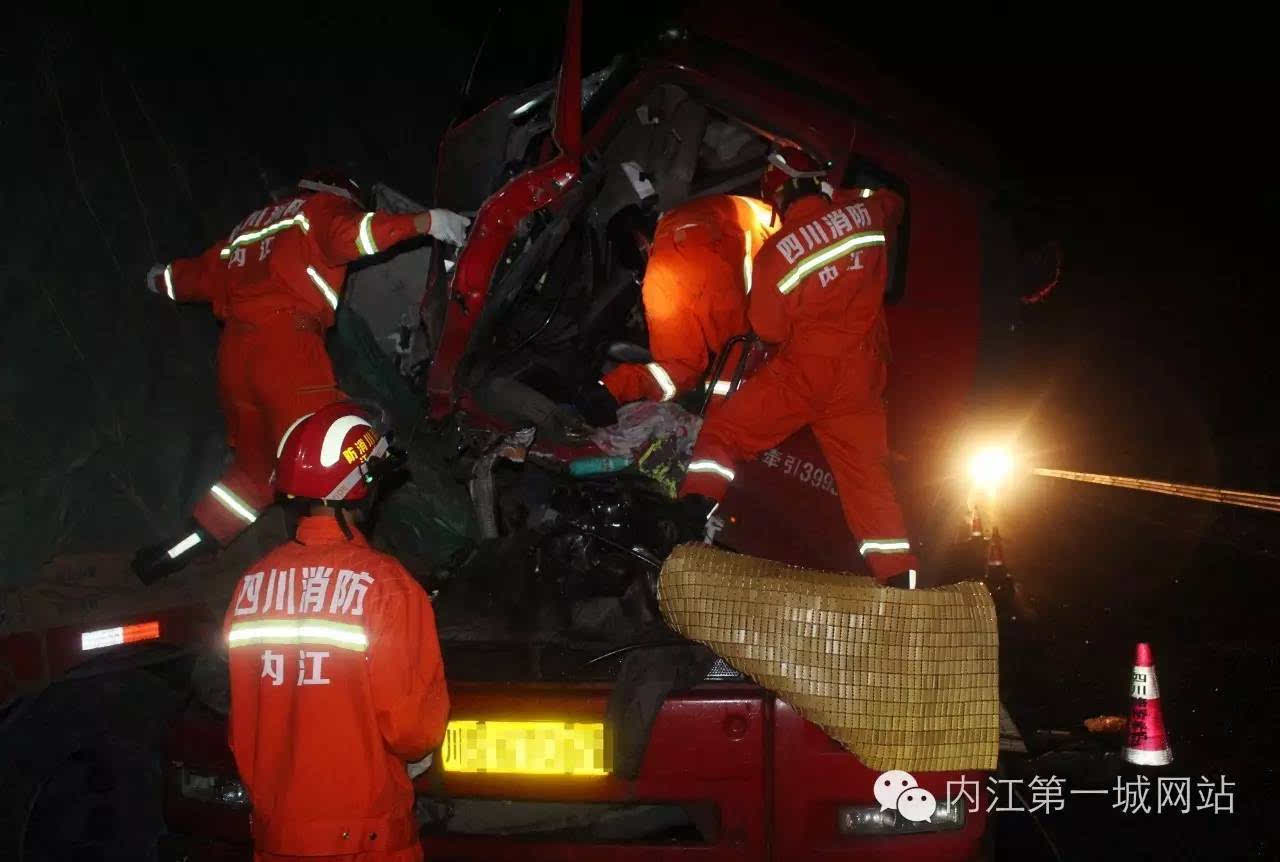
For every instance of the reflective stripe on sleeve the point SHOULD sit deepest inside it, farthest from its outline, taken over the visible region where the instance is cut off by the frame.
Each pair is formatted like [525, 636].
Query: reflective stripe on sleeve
[746, 261]
[885, 546]
[821, 258]
[664, 381]
[168, 281]
[721, 387]
[301, 631]
[364, 239]
[323, 286]
[234, 503]
[706, 465]
[250, 237]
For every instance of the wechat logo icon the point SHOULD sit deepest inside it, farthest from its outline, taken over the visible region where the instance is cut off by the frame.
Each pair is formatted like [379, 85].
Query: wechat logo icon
[898, 791]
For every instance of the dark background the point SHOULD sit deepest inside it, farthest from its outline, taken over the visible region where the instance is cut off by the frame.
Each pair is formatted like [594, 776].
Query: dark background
[1141, 148]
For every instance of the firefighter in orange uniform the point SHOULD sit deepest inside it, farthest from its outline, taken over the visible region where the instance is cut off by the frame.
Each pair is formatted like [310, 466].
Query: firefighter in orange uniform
[695, 293]
[336, 679]
[275, 283]
[819, 295]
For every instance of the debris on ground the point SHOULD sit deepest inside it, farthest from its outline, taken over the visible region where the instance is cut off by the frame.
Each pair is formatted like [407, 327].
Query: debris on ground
[1107, 724]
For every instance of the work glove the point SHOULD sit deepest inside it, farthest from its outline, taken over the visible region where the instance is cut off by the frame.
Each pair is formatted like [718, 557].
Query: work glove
[155, 280]
[596, 404]
[448, 226]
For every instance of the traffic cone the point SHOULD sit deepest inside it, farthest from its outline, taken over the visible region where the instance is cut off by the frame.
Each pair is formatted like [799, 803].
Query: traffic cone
[975, 523]
[995, 550]
[1147, 744]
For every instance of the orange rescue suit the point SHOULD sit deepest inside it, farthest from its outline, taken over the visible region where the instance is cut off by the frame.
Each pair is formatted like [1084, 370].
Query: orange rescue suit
[275, 282]
[695, 293]
[819, 294]
[336, 684]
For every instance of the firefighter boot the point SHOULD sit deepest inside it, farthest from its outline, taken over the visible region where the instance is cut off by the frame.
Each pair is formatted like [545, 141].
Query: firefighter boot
[159, 561]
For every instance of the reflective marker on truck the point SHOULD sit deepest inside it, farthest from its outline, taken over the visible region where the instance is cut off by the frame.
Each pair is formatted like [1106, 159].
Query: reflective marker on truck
[147, 631]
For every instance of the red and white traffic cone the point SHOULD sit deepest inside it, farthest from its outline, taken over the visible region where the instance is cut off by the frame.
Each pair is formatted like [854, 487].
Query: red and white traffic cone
[995, 550]
[975, 523]
[1147, 745]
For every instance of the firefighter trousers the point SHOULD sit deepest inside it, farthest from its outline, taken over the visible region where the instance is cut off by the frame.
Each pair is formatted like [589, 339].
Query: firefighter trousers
[269, 376]
[842, 399]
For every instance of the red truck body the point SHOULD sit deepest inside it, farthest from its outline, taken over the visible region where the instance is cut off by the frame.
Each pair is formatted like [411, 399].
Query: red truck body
[757, 780]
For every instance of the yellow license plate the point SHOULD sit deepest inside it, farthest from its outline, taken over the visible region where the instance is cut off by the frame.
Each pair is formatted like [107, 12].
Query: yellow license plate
[525, 747]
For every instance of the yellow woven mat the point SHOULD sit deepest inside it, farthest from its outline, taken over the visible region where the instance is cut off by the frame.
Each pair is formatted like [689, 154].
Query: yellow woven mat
[905, 679]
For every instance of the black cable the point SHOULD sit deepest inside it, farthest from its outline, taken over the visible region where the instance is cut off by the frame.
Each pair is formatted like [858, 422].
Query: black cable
[1053, 848]
[484, 40]
[621, 547]
[629, 647]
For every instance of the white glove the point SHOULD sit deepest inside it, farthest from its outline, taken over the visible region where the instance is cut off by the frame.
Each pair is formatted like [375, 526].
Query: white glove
[448, 226]
[155, 279]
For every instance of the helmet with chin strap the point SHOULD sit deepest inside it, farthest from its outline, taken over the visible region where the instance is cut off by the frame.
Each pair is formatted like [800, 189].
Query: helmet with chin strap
[332, 455]
[791, 173]
[334, 183]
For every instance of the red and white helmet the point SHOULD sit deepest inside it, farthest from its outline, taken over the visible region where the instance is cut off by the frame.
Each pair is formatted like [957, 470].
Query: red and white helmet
[327, 455]
[333, 182]
[786, 166]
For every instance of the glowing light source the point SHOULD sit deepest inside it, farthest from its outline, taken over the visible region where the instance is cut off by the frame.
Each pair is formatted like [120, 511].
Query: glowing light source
[990, 467]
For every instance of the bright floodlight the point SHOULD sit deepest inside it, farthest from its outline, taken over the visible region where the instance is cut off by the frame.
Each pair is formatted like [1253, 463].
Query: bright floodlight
[990, 467]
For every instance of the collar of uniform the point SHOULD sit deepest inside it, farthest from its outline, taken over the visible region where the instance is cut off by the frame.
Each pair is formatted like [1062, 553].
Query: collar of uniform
[323, 530]
[806, 208]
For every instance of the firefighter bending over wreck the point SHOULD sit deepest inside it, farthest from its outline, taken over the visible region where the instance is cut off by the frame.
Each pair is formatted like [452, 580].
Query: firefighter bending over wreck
[337, 685]
[696, 285]
[275, 283]
[819, 286]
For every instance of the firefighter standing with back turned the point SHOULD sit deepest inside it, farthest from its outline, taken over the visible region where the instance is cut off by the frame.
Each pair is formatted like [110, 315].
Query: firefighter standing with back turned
[696, 285]
[275, 283]
[336, 678]
[818, 294]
